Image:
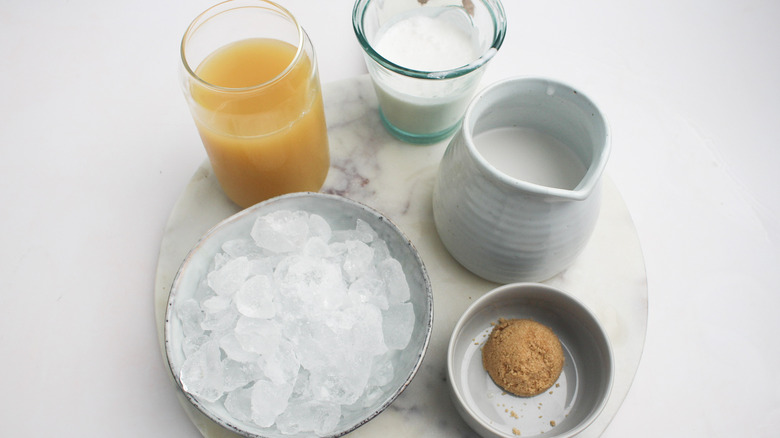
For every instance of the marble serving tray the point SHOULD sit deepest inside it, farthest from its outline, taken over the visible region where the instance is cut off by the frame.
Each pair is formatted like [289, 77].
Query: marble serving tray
[369, 166]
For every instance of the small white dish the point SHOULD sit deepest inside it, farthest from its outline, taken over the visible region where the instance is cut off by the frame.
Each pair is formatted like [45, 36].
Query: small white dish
[565, 409]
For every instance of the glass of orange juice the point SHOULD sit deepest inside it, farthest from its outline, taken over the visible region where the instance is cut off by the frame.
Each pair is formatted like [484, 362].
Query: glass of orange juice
[250, 77]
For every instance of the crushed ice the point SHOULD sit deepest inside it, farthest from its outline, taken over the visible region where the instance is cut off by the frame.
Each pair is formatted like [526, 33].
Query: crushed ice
[295, 324]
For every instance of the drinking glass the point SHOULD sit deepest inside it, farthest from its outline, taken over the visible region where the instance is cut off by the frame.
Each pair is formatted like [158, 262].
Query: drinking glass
[249, 74]
[419, 102]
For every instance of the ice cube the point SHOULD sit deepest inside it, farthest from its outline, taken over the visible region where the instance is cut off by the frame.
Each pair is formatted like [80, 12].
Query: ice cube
[191, 344]
[234, 350]
[191, 316]
[337, 248]
[282, 365]
[227, 279]
[241, 248]
[309, 416]
[219, 261]
[398, 325]
[361, 232]
[263, 265]
[369, 288]
[358, 259]
[301, 389]
[260, 336]
[238, 404]
[237, 374]
[316, 247]
[220, 321]
[203, 291]
[371, 395]
[381, 251]
[216, 304]
[269, 399]
[382, 371]
[315, 282]
[319, 227]
[367, 334]
[344, 382]
[201, 373]
[317, 345]
[255, 298]
[281, 231]
[393, 275]
[340, 321]
[365, 231]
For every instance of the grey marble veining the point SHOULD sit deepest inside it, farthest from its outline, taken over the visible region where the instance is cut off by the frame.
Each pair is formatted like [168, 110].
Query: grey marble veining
[369, 166]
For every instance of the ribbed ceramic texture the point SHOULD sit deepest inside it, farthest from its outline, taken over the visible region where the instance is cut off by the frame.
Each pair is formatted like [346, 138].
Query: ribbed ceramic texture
[507, 230]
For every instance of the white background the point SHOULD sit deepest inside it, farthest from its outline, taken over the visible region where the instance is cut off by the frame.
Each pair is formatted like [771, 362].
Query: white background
[96, 145]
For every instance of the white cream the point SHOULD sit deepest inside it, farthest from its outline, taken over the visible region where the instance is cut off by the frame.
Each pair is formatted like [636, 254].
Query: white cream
[532, 156]
[427, 43]
[428, 39]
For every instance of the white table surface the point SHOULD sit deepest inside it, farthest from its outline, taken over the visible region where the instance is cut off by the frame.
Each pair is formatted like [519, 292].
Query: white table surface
[96, 145]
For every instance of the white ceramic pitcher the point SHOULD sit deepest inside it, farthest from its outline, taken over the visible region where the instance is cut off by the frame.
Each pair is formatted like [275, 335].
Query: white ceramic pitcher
[505, 228]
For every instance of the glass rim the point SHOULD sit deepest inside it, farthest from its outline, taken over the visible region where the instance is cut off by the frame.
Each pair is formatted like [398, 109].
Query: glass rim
[496, 10]
[232, 5]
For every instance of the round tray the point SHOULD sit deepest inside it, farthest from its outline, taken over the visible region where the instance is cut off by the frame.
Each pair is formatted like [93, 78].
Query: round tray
[369, 166]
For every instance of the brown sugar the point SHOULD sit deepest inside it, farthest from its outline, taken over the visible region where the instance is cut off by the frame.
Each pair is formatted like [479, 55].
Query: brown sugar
[523, 356]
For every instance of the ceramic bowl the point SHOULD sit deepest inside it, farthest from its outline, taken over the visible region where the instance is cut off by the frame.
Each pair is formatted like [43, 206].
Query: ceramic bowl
[570, 405]
[491, 216]
[342, 214]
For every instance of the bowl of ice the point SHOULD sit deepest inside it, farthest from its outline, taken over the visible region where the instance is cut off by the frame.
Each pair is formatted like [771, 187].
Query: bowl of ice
[304, 315]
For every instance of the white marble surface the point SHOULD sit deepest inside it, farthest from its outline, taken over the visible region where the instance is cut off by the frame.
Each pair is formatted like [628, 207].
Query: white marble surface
[397, 179]
[97, 145]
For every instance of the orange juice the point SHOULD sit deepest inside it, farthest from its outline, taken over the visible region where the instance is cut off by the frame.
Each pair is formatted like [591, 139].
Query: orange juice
[261, 118]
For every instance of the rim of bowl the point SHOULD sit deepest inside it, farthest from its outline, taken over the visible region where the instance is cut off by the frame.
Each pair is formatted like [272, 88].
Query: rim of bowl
[525, 286]
[428, 327]
[497, 13]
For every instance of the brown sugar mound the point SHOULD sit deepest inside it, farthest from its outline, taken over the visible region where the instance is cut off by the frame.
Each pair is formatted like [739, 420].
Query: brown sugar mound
[523, 356]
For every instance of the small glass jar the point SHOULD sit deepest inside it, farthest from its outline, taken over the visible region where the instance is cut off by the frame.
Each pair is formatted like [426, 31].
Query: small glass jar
[250, 77]
[418, 101]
